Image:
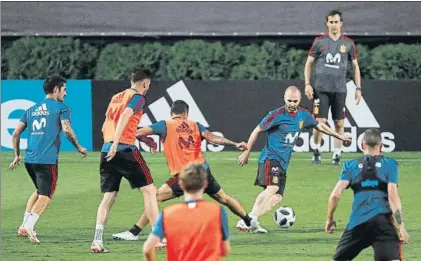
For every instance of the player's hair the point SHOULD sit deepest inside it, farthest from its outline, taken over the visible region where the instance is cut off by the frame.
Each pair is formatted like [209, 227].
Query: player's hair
[194, 177]
[141, 74]
[53, 81]
[179, 107]
[333, 13]
[372, 137]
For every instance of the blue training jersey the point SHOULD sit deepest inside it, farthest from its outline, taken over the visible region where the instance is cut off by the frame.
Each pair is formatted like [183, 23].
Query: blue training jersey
[283, 129]
[372, 199]
[43, 122]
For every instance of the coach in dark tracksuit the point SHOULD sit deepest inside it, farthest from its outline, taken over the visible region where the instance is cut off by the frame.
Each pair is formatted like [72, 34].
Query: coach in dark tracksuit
[374, 180]
[331, 53]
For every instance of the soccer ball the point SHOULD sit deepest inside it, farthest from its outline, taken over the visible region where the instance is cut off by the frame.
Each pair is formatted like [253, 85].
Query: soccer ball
[284, 217]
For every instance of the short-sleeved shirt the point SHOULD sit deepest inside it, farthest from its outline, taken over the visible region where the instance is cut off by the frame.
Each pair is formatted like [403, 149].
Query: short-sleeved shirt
[283, 129]
[158, 230]
[332, 62]
[43, 122]
[129, 98]
[370, 203]
[182, 142]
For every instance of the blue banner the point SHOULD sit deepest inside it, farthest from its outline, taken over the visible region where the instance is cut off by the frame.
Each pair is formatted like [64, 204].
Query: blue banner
[19, 95]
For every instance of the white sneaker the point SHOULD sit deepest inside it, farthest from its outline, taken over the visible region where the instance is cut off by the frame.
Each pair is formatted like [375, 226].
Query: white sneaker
[259, 230]
[22, 232]
[254, 223]
[98, 247]
[29, 232]
[241, 226]
[126, 235]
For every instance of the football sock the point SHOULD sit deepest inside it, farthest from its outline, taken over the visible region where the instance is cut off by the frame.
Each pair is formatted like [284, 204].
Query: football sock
[99, 230]
[337, 152]
[135, 230]
[25, 217]
[31, 221]
[247, 220]
[317, 147]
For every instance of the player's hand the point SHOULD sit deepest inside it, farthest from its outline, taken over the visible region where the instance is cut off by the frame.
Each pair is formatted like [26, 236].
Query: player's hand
[358, 96]
[330, 224]
[241, 146]
[345, 138]
[111, 153]
[83, 151]
[150, 142]
[404, 236]
[14, 163]
[243, 158]
[309, 91]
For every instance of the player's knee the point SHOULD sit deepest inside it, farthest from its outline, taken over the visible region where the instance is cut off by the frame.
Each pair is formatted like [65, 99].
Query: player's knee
[276, 199]
[272, 189]
[45, 199]
[322, 120]
[149, 190]
[339, 123]
[109, 197]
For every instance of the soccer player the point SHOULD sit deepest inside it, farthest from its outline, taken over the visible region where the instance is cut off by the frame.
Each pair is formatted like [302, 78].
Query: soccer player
[182, 140]
[120, 157]
[374, 181]
[331, 53]
[46, 120]
[195, 229]
[283, 126]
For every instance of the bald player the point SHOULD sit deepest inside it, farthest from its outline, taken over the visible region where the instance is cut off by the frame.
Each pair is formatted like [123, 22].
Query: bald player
[283, 126]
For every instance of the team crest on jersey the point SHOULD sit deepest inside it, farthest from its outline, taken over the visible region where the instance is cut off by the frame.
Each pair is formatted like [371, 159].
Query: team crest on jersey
[342, 49]
[301, 124]
[275, 179]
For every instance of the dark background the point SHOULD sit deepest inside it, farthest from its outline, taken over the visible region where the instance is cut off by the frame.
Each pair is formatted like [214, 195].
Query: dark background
[236, 107]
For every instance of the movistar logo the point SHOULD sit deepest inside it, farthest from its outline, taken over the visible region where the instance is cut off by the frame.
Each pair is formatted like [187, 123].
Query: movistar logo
[370, 183]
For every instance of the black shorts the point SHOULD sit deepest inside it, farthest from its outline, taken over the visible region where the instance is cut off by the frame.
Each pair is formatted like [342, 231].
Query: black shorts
[334, 100]
[127, 163]
[212, 188]
[379, 232]
[44, 177]
[271, 173]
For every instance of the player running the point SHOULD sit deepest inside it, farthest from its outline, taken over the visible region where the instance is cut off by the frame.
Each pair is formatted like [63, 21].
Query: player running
[374, 181]
[182, 141]
[120, 157]
[283, 126]
[331, 53]
[46, 120]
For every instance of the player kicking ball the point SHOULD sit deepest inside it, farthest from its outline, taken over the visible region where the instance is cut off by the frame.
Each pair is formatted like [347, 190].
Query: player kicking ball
[280, 124]
[182, 139]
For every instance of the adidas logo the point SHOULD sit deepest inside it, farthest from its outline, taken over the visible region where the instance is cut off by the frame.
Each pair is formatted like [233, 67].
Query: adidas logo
[184, 127]
[363, 118]
[160, 111]
[41, 111]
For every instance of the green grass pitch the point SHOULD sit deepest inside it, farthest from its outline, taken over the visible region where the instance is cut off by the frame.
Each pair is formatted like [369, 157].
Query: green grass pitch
[66, 229]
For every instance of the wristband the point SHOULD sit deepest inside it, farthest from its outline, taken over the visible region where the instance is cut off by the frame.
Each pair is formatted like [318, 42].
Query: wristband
[358, 89]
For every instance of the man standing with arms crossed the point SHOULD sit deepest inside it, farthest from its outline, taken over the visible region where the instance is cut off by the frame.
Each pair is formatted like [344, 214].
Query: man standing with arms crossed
[374, 180]
[331, 53]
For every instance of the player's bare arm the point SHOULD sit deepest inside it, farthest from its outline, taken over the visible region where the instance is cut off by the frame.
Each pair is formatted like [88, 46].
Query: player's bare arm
[222, 140]
[333, 203]
[16, 142]
[357, 79]
[243, 158]
[149, 247]
[121, 125]
[307, 76]
[396, 206]
[322, 127]
[141, 135]
[71, 136]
